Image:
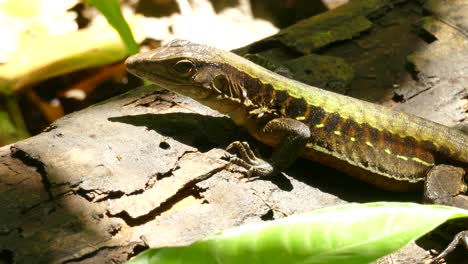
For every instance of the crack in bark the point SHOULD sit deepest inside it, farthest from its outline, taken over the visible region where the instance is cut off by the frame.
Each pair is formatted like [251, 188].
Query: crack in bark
[114, 229]
[163, 207]
[159, 176]
[152, 180]
[188, 189]
[138, 249]
[452, 25]
[49, 128]
[36, 163]
[53, 208]
[140, 98]
[156, 93]
[26, 210]
[15, 183]
[130, 247]
[96, 195]
[428, 82]
[418, 93]
[9, 167]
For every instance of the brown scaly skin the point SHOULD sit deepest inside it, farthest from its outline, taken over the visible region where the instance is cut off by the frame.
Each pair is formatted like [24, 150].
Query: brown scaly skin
[392, 150]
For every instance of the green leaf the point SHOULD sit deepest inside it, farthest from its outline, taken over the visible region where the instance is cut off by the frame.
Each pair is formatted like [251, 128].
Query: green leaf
[111, 10]
[40, 55]
[12, 126]
[353, 233]
[8, 133]
[51, 55]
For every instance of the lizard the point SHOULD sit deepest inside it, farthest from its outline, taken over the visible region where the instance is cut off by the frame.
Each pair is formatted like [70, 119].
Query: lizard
[389, 149]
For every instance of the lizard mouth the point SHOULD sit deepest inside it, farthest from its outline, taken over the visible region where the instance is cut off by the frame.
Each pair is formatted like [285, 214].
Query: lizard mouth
[164, 73]
[159, 75]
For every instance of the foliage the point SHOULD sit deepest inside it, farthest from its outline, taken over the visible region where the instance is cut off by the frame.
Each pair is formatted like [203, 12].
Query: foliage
[353, 233]
[111, 10]
[7, 129]
[43, 41]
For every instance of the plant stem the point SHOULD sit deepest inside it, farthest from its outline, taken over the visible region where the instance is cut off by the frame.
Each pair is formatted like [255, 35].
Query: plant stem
[16, 116]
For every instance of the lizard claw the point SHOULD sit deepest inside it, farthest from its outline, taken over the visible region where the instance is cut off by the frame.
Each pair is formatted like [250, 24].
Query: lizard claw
[255, 166]
[460, 238]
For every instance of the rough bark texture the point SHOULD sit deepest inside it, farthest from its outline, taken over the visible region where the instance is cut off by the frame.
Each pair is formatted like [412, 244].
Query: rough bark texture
[146, 169]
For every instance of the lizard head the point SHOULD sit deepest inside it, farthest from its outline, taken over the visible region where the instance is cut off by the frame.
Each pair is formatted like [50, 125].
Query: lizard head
[181, 66]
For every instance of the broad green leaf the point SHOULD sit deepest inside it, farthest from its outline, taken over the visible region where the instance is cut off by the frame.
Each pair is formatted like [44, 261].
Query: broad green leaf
[46, 56]
[354, 233]
[111, 10]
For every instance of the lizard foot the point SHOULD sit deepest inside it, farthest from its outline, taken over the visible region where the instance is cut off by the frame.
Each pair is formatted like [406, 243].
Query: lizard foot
[255, 166]
[460, 238]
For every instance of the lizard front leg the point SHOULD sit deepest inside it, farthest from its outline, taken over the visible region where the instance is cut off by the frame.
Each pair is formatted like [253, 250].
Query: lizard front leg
[292, 137]
[444, 185]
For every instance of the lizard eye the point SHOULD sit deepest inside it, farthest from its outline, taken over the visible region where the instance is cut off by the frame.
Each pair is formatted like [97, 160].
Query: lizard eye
[184, 67]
